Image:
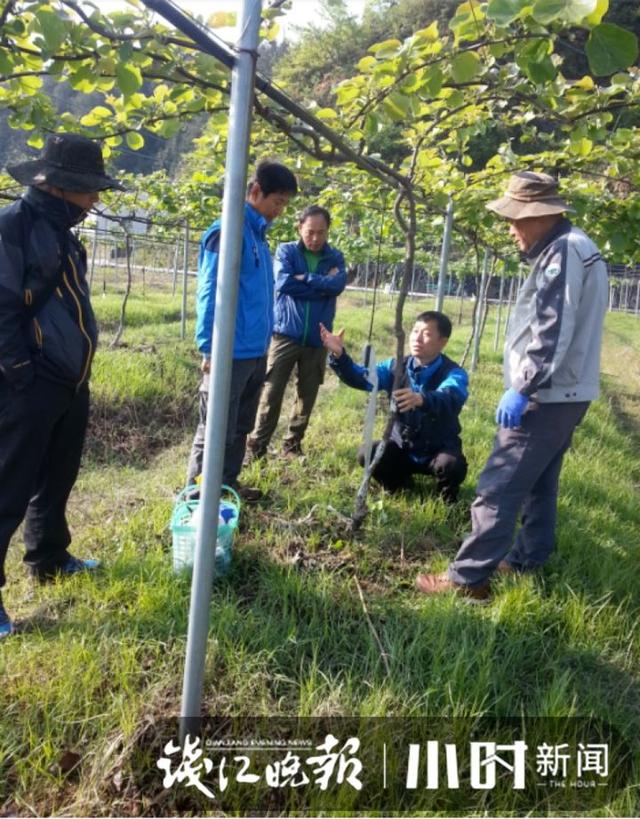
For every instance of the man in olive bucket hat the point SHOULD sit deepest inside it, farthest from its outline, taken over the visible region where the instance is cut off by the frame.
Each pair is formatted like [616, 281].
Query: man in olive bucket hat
[47, 340]
[551, 373]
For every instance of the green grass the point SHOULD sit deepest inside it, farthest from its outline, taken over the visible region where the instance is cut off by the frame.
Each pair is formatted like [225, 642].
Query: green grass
[99, 660]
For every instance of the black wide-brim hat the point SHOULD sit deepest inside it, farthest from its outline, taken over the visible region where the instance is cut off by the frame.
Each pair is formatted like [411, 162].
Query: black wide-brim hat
[69, 161]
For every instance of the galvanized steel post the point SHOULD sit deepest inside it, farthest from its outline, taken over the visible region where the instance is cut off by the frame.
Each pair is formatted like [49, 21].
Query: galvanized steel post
[444, 255]
[242, 90]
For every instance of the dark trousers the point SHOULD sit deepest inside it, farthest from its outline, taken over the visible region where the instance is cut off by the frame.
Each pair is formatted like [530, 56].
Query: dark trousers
[396, 469]
[42, 432]
[247, 377]
[285, 354]
[520, 477]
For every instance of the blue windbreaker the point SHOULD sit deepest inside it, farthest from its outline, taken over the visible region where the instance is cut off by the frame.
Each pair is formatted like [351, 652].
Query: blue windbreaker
[423, 431]
[302, 304]
[254, 314]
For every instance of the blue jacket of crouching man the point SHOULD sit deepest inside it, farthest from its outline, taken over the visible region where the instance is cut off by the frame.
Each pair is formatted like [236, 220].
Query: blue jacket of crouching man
[443, 384]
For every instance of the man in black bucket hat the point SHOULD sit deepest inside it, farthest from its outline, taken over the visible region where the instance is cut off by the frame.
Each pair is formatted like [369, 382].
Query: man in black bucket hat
[551, 374]
[48, 338]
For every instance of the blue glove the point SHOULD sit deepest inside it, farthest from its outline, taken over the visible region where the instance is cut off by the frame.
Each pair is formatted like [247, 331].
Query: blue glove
[510, 409]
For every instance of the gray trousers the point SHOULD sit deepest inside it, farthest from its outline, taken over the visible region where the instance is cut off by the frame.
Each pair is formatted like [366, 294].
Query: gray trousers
[284, 354]
[521, 476]
[247, 377]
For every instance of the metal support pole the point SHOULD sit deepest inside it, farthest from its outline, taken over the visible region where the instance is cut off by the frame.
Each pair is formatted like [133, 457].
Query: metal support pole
[509, 303]
[185, 271]
[480, 303]
[444, 255]
[93, 255]
[242, 90]
[175, 266]
[366, 279]
[499, 316]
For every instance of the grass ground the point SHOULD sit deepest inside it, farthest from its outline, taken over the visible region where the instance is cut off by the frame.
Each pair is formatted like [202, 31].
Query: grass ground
[98, 660]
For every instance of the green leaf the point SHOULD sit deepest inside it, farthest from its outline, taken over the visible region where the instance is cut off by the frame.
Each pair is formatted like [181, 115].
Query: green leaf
[134, 140]
[595, 18]
[326, 113]
[83, 79]
[169, 128]
[467, 21]
[541, 72]
[545, 11]
[53, 28]
[6, 64]
[505, 11]
[36, 141]
[347, 92]
[570, 11]
[586, 83]
[611, 48]
[129, 78]
[388, 48]
[371, 125]
[432, 82]
[397, 106]
[30, 85]
[581, 146]
[96, 116]
[428, 34]
[366, 64]
[464, 67]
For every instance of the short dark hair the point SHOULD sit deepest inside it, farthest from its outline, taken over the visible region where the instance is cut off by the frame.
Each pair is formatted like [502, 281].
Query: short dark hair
[443, 322]
[273, 177]
[315, 210]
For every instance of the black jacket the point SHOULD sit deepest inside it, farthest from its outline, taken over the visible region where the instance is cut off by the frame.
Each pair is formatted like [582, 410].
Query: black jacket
[47, 325]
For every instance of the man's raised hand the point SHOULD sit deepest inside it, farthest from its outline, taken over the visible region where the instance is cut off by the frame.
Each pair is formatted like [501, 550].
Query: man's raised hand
[332, 341]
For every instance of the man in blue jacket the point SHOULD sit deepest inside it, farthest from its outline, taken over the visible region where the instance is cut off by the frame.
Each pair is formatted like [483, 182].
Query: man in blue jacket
[268, 193]
[425, 438]
[310, 274]
[48, 337]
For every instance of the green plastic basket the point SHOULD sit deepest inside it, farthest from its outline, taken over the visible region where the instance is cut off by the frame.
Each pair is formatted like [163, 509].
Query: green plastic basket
[183, 529]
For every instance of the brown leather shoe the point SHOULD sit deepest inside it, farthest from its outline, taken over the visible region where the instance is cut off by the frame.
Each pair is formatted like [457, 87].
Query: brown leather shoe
[441, 583]
[291, 450]
[505, 568]
[249, 494]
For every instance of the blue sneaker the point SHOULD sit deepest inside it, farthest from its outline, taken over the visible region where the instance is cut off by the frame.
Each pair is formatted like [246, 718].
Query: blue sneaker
[72, 565]
[75, 565]
[6, 626]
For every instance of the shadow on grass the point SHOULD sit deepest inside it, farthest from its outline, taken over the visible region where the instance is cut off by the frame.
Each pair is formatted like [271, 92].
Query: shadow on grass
[131, 432]
[285, 642]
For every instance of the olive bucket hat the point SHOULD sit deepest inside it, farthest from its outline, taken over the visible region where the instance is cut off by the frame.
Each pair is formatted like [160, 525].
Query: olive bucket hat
[69, 161]
[528, 195]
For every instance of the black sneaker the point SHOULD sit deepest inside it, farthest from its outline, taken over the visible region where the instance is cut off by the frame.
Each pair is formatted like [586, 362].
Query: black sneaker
[6, 626]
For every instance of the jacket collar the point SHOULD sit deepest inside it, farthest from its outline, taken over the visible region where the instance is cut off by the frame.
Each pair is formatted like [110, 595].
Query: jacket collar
[423, 372]
[326, 248]
[256, 220]
[562, 227]
[59, 212]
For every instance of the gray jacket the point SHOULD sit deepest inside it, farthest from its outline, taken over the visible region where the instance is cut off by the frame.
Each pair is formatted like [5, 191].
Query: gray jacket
[552, 350]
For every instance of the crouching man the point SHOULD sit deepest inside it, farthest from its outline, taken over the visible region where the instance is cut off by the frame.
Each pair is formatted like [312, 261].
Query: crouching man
[425, 439]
